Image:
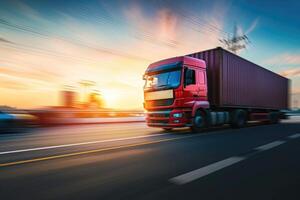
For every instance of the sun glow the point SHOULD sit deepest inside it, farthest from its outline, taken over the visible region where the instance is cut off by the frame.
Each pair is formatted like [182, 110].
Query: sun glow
[111, 98]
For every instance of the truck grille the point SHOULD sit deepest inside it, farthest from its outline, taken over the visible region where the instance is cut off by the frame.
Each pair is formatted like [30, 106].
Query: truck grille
[158, 121]
[158, 117]
[160, 102]
[161, 115]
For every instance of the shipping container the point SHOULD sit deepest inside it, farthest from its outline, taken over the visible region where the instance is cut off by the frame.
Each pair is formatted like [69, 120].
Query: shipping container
[236, 82]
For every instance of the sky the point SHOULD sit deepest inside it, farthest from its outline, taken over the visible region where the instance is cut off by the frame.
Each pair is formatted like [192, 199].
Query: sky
[48, 45]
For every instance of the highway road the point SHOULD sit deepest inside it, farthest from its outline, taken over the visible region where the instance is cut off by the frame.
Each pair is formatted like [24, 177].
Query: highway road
[132, 161]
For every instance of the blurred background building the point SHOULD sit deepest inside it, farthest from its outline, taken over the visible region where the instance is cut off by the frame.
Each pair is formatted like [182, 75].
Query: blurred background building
[68, 98]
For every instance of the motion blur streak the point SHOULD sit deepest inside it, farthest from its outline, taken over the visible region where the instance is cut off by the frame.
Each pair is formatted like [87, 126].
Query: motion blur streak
[141, 168]
[91, 151]
[77, 144]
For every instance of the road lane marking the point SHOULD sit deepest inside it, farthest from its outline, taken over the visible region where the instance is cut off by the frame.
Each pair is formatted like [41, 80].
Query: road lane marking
[209, 169]
[294, 136]
[269, 145]
[204, 171]
[81, 143]
[93, 151]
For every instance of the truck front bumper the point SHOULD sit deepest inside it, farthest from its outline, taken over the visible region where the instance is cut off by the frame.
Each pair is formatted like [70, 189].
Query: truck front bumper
[168, 119]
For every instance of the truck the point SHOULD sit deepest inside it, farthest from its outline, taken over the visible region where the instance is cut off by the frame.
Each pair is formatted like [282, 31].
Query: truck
[212, 88]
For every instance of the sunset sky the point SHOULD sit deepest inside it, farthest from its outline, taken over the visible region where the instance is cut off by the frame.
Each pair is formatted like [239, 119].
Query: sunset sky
[45, 45]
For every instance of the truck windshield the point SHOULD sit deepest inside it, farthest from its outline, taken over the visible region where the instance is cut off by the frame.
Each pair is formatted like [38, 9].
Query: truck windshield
[163, 80]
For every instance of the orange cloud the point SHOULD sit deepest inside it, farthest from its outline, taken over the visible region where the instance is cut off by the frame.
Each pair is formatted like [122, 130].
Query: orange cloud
[284, 59]
[169, 34]
[291, 72]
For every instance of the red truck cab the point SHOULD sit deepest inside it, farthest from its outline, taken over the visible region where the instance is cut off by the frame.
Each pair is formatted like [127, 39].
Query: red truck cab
[175, 88]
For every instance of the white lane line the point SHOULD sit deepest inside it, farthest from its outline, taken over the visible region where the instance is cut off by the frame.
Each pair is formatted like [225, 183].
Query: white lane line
[81, 143]
[294, 136]
[204, 171]
[269, 145]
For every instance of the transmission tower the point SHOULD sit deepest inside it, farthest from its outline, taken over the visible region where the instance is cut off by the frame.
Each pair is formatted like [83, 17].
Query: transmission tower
[236, 42]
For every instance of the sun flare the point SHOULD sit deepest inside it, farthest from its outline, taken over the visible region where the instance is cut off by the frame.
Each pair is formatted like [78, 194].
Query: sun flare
[110, 98]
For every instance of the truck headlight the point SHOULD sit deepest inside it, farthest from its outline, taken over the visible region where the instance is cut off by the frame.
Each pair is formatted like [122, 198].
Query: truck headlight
[177, 115]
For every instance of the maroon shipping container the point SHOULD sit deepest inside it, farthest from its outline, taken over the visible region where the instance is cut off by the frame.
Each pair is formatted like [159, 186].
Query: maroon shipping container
[236, 82]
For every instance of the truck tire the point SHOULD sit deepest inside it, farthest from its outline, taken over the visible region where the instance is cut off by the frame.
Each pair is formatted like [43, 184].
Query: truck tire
[199, 122]
[273, 117]
[238, 118]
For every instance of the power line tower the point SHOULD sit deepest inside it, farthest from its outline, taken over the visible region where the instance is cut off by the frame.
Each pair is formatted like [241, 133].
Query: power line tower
[237, 42]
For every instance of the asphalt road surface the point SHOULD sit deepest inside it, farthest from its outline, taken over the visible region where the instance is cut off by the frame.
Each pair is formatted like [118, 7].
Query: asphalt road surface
[132, 161]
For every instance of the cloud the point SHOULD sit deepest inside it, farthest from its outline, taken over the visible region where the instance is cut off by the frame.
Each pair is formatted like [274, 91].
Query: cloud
[296, 91]
[160, 29]
[169, 32]
[291, 72]
[252, 26]
[284, 59]
[290, 63]
[167, 22]
[12, 84]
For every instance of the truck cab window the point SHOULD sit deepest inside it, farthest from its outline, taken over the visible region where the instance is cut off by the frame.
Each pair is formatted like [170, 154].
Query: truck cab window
[189, 77]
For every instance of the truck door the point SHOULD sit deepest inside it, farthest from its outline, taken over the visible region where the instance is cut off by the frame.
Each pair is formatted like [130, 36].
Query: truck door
[191, 87]
[201, 83]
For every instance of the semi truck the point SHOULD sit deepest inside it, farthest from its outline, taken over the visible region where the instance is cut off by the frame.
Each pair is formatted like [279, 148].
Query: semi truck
[212, 88]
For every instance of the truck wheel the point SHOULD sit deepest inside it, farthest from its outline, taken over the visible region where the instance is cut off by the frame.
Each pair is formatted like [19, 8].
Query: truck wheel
[238, 118]
[199, 122]
[273, 117]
